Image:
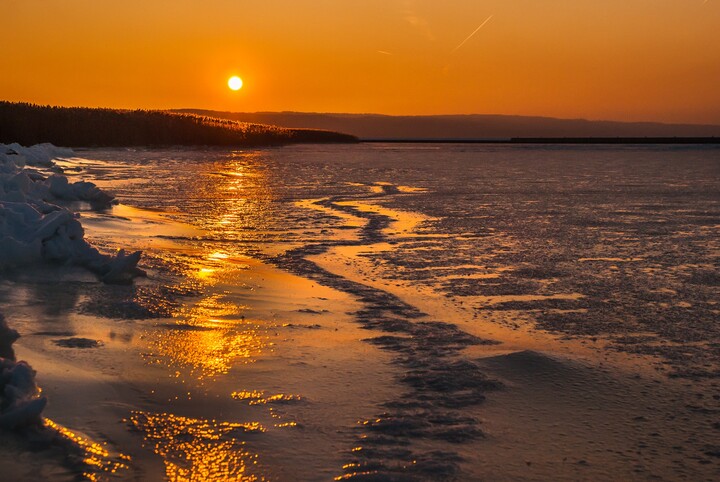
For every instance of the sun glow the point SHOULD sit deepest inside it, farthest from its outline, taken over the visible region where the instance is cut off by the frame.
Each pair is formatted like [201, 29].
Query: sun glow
[235, 83]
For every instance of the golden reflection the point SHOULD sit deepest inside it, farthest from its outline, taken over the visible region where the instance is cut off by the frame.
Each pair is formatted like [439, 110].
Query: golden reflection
[369, 473]
[96, 458]
[218, 256]
[286, 424]
[203, 273]
[199, 450]
[211, 336]
[242, 200]
[259, 398]
[255, 397]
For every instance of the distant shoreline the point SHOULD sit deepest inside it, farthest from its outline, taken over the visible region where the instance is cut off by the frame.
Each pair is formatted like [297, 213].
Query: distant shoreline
[30, 124]
[557, 140]
[476, 128]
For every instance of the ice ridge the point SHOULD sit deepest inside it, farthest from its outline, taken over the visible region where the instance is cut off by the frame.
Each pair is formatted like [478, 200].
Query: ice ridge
[35, 227]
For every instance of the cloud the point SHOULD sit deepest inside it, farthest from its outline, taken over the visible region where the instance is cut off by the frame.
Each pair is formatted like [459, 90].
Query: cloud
[410, 15]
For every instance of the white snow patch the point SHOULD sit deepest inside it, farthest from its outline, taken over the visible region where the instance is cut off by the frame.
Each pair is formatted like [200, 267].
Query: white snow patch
[20, 400]
[35, 228]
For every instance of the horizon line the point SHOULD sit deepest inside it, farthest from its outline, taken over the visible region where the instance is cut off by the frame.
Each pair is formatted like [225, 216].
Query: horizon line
[476, 114]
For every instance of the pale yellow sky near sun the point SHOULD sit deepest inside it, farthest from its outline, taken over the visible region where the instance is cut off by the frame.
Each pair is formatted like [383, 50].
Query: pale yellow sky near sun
[610, 59]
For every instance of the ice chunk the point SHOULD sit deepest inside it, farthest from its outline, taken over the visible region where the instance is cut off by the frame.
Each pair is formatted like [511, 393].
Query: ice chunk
[87, 191]
[7, 338]
[20, 378]
[20, 401]
[35, 228]
[122, 268]
[50, 223]
[60, 187]
[39, 154]
[16, 253]
[23, 413]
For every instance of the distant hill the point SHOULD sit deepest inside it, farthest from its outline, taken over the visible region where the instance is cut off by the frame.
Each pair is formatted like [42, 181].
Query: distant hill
[463, 127]
[83, 127]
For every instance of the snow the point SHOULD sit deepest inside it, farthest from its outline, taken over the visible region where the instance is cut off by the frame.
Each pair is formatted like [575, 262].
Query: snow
[20, 400]
[35, 226]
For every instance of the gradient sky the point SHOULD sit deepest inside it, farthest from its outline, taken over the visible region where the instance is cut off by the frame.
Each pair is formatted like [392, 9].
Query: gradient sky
[607, 59]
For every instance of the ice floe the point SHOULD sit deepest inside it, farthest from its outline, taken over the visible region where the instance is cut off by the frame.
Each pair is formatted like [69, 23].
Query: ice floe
[20, 400]
[36, 226]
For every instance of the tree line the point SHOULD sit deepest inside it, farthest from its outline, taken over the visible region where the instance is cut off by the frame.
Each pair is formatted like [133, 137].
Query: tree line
[29, 124]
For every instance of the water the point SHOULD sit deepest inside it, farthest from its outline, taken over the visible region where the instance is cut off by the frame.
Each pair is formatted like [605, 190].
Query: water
[394, 312]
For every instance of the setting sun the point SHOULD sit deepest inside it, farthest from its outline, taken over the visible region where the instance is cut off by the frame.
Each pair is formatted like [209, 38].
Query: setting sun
[235, 83]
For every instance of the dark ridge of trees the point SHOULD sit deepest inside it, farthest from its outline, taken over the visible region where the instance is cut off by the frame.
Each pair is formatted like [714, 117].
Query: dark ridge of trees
[464, 127]
[29, 124]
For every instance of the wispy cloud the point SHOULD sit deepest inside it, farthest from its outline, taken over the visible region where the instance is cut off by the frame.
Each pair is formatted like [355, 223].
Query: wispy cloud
[384, 52]
[473, 33]
[411, 16]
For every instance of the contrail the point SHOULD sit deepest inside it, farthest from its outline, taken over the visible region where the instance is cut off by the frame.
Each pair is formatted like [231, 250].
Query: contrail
[471, 35]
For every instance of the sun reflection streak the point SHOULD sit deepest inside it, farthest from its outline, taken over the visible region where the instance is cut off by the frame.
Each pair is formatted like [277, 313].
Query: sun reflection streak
[200, 450]
[259, 398]
[96, 458]
[211, 336]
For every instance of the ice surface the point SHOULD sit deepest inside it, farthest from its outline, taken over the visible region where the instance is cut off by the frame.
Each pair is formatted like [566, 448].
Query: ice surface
[34, 225]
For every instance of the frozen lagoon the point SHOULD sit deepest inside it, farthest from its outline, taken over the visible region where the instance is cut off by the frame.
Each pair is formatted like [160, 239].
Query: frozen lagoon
[389, 312]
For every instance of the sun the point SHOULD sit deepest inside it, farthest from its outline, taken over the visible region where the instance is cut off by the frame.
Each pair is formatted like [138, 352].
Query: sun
[235, 83]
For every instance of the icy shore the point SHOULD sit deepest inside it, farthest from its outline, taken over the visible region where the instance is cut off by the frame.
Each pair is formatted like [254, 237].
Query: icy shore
[36, 228]
[34, 225]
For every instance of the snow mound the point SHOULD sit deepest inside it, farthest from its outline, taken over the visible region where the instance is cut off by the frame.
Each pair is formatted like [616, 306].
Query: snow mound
[35, 228]
[37, 155]
[20, 400]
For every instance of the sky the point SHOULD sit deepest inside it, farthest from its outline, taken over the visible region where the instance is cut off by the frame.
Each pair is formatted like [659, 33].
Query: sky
[631, 60]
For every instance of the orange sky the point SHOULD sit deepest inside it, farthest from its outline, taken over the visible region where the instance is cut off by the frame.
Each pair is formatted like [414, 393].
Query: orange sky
[606, 59]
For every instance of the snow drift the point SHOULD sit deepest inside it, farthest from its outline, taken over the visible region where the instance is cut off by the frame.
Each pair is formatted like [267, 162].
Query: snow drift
[20, 400]
[35, 227]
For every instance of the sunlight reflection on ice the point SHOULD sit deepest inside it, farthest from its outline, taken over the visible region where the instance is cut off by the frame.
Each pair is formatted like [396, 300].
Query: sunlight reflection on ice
[96, 458]
[259, 398]
[199, 450]
[212, 334]
[211, 337]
